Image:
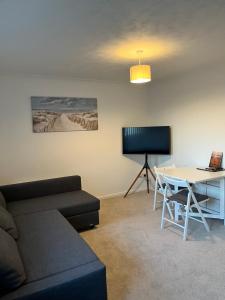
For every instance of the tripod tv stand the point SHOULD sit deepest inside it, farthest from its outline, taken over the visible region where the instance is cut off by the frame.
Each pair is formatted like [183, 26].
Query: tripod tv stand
[147, 169]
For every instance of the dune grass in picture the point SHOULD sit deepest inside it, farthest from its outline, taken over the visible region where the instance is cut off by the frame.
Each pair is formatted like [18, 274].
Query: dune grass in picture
[64, 114]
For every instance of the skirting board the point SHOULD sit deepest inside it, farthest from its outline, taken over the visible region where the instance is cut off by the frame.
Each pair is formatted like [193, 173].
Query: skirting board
[119, 194]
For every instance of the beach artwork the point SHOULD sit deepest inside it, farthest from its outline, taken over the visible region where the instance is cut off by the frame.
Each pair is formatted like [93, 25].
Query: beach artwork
[53, 114]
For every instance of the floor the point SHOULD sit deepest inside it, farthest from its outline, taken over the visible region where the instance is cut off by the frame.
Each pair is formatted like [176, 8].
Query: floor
[144, 263]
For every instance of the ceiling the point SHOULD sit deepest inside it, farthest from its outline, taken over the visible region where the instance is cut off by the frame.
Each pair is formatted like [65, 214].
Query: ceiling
[98, 39]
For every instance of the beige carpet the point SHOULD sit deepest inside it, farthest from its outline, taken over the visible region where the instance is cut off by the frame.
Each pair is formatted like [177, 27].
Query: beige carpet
[144, 263]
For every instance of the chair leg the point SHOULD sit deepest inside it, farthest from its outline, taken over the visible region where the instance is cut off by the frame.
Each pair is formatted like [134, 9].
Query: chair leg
[200, 213]
[186, 224]
[169, 210]
[163, 214]
[181, 212]
[176, 211]
[187, 207]
[155, 194]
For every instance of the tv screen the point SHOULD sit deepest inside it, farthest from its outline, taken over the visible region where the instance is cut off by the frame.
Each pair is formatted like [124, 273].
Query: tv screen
[150, 140]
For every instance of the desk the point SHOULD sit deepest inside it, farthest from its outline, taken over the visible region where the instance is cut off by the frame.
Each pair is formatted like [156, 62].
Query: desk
[204, 182]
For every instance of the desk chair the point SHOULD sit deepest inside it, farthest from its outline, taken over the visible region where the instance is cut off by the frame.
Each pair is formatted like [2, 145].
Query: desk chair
[187, 200]
[160, 185]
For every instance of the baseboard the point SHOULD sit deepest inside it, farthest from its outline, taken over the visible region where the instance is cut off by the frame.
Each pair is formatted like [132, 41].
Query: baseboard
[119, 194]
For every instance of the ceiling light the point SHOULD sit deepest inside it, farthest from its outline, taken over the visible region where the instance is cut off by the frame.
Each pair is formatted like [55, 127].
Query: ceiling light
[140, 73]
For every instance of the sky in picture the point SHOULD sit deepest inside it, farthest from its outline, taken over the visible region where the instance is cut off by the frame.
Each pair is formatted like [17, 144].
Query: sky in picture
[64, 104]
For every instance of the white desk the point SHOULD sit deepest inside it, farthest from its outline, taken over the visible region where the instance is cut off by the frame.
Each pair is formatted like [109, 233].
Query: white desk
[209, 183]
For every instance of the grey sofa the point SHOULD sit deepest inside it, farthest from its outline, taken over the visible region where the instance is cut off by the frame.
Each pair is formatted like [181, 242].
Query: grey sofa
[58, 263]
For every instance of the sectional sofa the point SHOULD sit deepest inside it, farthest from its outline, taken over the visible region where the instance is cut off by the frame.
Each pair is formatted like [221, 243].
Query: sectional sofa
[47, 258]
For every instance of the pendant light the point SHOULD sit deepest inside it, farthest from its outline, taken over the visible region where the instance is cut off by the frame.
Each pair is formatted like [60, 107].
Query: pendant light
[140, 73]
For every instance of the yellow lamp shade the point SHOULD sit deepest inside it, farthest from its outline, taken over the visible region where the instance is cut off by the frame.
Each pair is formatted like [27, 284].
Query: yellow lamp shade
[140, 73]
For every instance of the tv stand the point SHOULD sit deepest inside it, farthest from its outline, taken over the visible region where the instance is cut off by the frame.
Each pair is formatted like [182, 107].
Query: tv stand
[147, 169]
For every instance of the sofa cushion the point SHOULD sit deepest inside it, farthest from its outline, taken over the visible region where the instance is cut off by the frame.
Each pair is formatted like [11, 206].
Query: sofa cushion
[2, 200]
[49, 245]
[12, 272]
[69, 204]
[33, 189]
[7, 223]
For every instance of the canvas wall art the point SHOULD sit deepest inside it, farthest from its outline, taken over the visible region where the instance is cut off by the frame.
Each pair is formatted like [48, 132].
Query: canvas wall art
[51, 114]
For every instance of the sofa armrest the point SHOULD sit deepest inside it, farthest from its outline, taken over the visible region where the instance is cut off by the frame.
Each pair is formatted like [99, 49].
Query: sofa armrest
[33, 189]
[86, 282]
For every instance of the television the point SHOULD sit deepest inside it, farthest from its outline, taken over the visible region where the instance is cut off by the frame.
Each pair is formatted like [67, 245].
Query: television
[146, 140]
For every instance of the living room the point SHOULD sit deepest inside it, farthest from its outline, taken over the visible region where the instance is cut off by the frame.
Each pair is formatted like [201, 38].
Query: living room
[84, 49]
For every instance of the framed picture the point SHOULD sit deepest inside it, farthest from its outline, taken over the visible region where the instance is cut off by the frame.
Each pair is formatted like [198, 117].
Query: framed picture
[54, 114]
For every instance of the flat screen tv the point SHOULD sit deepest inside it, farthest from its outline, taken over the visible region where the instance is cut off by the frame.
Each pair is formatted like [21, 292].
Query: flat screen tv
[150, 140]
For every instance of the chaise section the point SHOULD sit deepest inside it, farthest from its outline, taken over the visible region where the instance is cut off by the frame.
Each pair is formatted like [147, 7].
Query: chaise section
[48, 245]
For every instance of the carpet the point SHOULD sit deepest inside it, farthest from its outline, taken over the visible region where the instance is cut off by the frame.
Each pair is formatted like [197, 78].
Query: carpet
[145, 263]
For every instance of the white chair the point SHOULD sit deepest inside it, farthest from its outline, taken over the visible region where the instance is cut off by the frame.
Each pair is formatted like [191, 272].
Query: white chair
[159, 185]
[187, 199]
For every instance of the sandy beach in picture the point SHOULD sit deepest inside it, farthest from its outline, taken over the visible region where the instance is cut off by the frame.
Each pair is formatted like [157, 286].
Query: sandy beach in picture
[52, 114]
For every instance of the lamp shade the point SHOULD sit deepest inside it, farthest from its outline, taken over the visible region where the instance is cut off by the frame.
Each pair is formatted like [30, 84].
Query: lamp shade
[140, 73]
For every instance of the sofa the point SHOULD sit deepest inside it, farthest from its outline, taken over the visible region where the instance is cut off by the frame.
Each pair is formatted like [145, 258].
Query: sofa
[47, 258]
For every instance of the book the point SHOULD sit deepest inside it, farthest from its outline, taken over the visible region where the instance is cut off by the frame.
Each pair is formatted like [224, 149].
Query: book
[216, 160]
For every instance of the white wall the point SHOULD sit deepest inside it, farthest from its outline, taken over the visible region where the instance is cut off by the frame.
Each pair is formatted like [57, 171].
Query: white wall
[194, 105]
[95, 155]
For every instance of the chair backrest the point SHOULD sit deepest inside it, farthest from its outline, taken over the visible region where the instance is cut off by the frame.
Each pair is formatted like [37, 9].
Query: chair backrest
[158, 172]
[176, 182]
